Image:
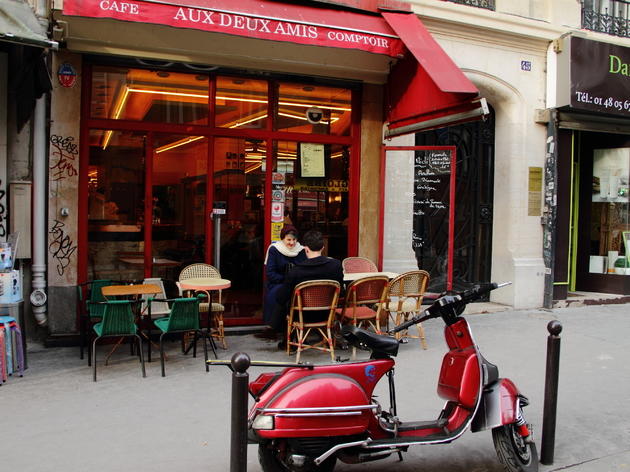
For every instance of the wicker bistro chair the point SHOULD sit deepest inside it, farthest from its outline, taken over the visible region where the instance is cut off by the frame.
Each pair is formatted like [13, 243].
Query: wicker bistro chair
[362, 296]
[404, 300]
[206, 270]
[308, 297]
[358, 264]
[118, 321]
[183, 318]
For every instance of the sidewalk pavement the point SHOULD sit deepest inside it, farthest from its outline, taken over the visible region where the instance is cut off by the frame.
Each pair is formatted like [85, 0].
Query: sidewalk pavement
[56, 419]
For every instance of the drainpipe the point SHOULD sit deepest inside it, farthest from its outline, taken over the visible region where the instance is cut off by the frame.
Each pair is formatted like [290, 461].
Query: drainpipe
[38, 296]
[38, 269]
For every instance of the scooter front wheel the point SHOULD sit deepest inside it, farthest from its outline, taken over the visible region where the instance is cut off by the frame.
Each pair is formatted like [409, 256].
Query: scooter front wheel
[277, 456]
[514, 452]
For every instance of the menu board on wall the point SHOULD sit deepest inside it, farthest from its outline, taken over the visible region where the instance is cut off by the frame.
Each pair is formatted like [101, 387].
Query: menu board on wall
[433, 210]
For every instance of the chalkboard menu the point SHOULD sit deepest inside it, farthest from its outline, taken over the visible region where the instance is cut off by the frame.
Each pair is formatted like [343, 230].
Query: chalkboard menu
[433, 209]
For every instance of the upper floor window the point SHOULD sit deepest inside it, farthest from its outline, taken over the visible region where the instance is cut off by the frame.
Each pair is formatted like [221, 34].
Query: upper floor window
[487, 4]
[606, 16]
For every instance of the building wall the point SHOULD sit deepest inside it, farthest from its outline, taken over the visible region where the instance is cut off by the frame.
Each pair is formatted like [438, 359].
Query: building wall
[63, 184]
[490, 48]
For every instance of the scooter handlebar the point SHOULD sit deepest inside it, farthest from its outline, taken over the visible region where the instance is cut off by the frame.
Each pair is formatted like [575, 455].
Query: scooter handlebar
[448, 303]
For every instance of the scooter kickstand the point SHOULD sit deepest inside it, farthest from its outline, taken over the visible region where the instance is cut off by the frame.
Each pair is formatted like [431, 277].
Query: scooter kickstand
[400, 456]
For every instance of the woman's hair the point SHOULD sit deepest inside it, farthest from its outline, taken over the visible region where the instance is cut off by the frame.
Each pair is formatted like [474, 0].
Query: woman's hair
[288, 229]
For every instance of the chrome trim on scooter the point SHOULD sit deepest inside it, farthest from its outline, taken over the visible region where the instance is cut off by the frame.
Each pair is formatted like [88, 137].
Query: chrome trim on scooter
[332, 450]
[324, 409]
[332, 413]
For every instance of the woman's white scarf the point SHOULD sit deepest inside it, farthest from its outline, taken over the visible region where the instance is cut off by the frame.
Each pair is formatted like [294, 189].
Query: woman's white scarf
[284, 250]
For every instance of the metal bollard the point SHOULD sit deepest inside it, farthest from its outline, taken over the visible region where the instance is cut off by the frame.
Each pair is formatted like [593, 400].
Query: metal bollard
[238, 440]
[551, 393]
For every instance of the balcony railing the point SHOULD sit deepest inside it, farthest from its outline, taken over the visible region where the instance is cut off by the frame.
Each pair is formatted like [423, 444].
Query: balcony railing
[606, 16]
[487, 4]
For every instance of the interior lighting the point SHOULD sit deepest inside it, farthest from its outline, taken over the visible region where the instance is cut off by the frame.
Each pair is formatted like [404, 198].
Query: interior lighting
[117, 111]
[235, 99]
[178, 143]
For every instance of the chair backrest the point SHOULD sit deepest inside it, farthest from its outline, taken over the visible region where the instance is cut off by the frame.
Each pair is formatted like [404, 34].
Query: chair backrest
[184, 314]
[412, 284]
[96, 294]
[118, 318]
[367, 290]
[94, 305]
[316, 295]
[199, 270]
[157, 307]
[358, 264]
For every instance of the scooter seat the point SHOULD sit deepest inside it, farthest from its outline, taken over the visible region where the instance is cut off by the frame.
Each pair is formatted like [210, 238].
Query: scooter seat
[379, 344]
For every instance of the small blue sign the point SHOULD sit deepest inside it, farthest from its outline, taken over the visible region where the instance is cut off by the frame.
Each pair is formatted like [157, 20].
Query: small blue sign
[526, 65]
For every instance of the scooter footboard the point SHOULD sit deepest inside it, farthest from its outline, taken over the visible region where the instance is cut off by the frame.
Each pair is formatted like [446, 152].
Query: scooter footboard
[498, 406]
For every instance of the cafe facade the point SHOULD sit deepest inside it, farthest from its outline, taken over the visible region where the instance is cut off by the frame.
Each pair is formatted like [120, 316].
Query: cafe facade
[187, 133]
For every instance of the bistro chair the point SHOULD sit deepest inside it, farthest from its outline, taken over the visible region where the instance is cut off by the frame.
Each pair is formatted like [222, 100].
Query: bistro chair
[362, 296]
[309, 297]
[358, 264]
[183, 318]
[118, 321]
[90, 308]
[404, 300]
[200, 270]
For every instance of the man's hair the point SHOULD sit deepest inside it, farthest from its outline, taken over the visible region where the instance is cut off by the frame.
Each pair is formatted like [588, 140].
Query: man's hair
[314, 240]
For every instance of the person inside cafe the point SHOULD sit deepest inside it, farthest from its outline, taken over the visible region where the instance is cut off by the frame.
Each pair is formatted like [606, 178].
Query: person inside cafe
[315, 267]
[280, 257]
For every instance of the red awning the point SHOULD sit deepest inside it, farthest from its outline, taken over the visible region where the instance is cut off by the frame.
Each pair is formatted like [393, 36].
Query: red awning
[276, 21]
[426, 89]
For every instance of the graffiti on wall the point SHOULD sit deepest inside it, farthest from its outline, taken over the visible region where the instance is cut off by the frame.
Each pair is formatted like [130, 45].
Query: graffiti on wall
[61, 247]
[64, 154]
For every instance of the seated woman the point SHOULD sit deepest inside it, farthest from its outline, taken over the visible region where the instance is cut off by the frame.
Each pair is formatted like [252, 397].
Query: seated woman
[281, 256]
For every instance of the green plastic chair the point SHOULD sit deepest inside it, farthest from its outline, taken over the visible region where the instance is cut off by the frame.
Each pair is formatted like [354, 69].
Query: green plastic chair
[183, 317]
[118, 321]
[90, 308]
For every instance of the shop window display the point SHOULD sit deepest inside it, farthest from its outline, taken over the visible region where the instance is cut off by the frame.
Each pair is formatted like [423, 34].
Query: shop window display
[610, 222]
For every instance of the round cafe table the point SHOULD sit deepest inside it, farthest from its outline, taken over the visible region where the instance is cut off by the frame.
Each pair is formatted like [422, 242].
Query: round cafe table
[207, 285]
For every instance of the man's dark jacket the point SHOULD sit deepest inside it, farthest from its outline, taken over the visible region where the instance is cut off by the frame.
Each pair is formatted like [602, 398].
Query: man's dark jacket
[320, 267]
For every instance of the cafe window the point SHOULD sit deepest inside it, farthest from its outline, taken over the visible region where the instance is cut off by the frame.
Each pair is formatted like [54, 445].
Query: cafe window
[148, 95]
[241, 103]
[116, 205]
[610, 212]
[312, 189]
[314, 109]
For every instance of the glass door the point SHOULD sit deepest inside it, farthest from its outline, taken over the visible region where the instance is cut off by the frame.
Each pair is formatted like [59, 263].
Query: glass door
[178, 194]
[239, 180]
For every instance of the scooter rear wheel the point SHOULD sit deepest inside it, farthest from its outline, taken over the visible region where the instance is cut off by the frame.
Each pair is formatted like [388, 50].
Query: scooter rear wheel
[273, 457]
[515, 454]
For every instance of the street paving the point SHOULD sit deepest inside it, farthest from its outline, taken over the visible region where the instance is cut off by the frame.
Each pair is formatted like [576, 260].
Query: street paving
[56, 418]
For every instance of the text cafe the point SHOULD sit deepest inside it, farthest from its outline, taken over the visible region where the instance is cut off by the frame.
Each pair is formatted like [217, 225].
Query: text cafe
[592, 129]
[195, 129]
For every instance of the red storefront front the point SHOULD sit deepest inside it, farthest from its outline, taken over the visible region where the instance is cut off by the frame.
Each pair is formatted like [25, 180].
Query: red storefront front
[203, 126]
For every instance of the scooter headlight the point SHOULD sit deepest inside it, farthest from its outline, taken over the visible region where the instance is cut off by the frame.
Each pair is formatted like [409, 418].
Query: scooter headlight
[263, 422]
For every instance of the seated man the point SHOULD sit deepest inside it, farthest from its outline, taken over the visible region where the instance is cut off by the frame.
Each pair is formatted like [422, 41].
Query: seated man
[315, 267]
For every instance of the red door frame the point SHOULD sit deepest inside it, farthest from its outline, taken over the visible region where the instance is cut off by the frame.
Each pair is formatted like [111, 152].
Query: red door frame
[211, 132]
[451, 206]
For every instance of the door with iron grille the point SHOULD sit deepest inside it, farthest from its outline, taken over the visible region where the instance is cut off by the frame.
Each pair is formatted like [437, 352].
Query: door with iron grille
[473, 197]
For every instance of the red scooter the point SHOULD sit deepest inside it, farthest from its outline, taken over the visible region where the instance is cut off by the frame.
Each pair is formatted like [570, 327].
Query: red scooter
[307, 417]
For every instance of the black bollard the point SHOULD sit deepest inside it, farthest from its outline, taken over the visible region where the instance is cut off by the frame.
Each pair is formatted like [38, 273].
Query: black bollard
[238, 445]
[551, 393]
